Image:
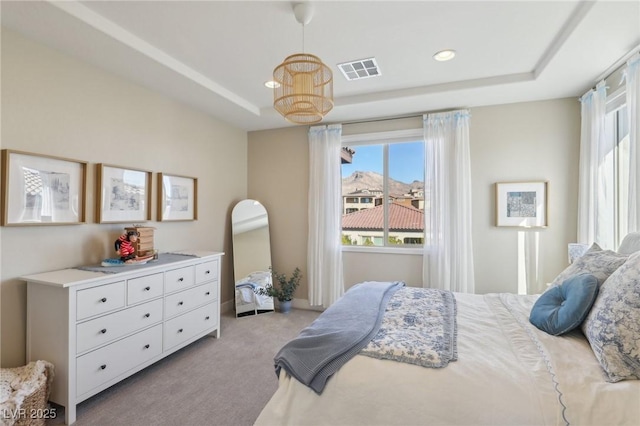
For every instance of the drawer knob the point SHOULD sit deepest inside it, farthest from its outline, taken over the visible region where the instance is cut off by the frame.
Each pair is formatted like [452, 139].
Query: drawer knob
[207, 271]
[147, 288]
[180, 331]
[180, 279]
[206, 318]
[147, 315]
[180, 303]
[147, 346]
[103, 331]
[103, 366]
[207, 293]
[104, 299]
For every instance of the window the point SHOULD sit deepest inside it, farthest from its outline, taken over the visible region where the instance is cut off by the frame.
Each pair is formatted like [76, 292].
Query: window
[391, 166]
[413, 240]
[613, 198]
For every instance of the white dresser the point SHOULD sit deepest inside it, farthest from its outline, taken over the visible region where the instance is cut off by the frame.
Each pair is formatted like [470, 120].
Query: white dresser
[98, 328]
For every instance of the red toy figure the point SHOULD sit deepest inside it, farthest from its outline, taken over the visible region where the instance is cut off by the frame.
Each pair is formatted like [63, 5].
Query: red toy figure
[124, 245]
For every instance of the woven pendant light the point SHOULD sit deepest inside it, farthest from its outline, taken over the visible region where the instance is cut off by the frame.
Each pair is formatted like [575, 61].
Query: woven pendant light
[305, 91]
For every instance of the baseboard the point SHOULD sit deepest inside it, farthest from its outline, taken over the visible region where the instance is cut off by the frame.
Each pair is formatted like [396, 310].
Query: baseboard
[304, 304]
[229, 306]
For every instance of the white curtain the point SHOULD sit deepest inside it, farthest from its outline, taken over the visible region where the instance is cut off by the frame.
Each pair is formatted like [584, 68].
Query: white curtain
[529, 263]
[324, 256]
[592, 151]
[448, 249]
[633, 96]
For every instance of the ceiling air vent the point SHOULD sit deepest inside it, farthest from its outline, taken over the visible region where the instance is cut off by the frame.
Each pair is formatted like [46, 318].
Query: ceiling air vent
[363, 68]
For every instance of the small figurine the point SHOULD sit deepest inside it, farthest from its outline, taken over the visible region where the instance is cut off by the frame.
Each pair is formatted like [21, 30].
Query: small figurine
[124, 245]
[125, 248]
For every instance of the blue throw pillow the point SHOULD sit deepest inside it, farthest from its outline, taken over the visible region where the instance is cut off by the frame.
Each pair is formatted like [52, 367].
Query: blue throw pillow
[564, 307]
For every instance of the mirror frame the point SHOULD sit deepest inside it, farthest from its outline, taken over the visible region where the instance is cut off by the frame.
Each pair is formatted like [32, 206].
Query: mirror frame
[251, 257]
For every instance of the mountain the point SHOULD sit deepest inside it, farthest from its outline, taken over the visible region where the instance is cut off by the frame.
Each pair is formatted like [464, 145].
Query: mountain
[371, 180]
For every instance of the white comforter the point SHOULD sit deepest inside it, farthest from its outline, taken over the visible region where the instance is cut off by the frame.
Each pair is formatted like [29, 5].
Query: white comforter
[507, 373]
[246, 294]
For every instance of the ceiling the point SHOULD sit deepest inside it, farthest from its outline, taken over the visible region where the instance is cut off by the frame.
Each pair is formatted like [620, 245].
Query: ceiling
[216, 55]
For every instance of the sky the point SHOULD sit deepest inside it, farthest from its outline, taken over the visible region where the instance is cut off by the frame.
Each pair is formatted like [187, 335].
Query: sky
[406, 161]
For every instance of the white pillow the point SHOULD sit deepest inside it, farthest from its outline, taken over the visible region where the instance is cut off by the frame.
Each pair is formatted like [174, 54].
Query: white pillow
[630, 243]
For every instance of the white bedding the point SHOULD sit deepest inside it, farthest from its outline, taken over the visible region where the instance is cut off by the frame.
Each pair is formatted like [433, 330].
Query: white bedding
[508, 373]
[246, 298]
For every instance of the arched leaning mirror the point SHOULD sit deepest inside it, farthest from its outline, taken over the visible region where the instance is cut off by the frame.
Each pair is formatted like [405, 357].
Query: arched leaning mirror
[251, 257]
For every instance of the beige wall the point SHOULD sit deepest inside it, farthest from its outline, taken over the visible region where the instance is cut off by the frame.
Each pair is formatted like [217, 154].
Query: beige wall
[522, 142]
[55, 105]
[278, 165]
[517, 142]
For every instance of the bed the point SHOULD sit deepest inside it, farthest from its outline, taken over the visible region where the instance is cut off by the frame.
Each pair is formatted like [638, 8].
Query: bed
[248, 302]
[503, 370]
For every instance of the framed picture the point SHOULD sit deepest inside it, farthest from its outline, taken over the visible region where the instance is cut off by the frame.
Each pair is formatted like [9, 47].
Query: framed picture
[123, 194]
[521, 204]
[42, 190]
[177, 197]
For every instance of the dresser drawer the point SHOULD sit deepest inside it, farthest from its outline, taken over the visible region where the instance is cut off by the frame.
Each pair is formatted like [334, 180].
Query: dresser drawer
[206, 271]
[107, 328]
[184, 301]
[184, 327]
[178, 279]
[144, 288]
[102, 365]
[98, 300]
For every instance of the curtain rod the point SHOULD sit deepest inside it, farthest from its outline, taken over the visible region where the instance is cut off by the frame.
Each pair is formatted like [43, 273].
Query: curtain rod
[398, 117]
[376, 120]
[617, 64]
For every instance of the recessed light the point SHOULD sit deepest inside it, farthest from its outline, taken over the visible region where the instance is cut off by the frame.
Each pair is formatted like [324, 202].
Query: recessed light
[271, 84]
[444, 55]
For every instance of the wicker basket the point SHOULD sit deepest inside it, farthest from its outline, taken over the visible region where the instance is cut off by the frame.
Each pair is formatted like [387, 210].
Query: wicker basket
[24, 392]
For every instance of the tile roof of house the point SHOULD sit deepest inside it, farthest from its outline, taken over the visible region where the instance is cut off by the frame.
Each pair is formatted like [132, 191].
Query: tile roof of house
[400, 218]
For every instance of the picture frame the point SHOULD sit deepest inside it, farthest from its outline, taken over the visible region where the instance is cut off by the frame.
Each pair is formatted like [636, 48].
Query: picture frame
[42, 189]
[122, 194]
[177, 198]
[522, 204]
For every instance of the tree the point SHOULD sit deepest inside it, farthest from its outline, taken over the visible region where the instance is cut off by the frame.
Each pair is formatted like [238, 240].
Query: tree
[394, 240]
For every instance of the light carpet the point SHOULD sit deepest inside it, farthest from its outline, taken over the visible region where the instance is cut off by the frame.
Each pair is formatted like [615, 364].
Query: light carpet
[224, 381]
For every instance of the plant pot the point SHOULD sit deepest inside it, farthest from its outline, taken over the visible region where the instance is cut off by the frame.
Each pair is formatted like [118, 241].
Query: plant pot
[284, 306]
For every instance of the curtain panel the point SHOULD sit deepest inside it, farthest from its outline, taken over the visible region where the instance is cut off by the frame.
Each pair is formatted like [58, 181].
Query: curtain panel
[592, 151]
[324, 251]
[448, 248]
[633, 94]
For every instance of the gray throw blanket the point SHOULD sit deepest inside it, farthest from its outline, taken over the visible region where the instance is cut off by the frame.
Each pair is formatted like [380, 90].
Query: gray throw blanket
[337, 335]
[163, 258]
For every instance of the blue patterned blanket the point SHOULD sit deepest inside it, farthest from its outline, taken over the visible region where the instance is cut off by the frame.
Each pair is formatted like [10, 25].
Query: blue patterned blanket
[419, 327]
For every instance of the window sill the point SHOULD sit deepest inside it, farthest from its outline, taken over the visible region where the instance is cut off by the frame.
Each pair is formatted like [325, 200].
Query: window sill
[417, 251]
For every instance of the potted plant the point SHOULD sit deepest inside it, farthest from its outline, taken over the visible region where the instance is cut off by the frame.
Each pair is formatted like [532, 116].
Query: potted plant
[284, 289]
